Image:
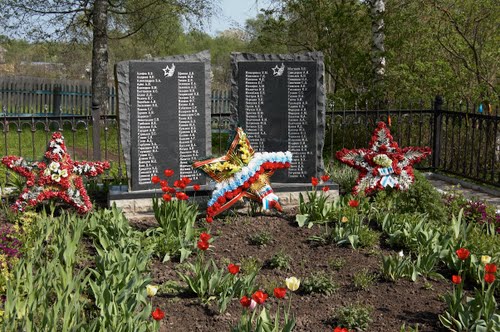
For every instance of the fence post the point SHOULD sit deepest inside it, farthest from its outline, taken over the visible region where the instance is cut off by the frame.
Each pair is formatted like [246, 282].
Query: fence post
[436, 142]
[56, 101]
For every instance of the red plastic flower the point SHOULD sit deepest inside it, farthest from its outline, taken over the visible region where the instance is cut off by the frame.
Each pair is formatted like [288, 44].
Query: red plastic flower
[158, 314]
[245, 301]
[233, 269]
[314, 181]
[353, 203]
[181, 196]
[205, 237]
[196, 187]
[167, 197]
[155, 179]
[456, 279]
[168, 172]
[489, 277]
[279, 292]
[210, 220]
[259, 297]
[325, 188]
[325, 178]
[490, 268]
[203, 245]
[463, 253]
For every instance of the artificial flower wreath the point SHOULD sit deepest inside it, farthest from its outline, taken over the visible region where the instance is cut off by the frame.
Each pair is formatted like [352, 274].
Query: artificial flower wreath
[243, 173]
[56, 176]
[384, 164]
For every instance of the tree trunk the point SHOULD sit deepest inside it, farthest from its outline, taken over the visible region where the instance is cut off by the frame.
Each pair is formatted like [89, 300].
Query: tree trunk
[377, 9]
[99, 71]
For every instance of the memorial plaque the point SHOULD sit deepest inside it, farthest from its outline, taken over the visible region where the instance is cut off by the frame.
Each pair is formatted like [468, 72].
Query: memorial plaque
[279, 100]
[164, 110]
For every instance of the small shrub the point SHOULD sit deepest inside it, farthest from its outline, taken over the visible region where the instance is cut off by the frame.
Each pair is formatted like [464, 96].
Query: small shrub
[368, 238]
[364, 279]
[260, 239]
[319, 282]
[345, 176]
[336, 263]
[250, 265]
[280, 261]
[354, 316]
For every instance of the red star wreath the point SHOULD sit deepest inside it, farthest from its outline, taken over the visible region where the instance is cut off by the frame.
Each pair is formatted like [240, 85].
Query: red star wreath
[57, 176]
[384, 163]
[243, 173]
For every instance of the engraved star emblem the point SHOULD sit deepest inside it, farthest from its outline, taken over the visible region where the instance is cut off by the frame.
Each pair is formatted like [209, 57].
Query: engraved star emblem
[169, 71]
[241, 173]
[384, 164]
[278, 71]
[57, 176]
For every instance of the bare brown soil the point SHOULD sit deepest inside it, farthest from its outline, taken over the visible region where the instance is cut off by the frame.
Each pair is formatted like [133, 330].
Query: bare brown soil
[394, 304]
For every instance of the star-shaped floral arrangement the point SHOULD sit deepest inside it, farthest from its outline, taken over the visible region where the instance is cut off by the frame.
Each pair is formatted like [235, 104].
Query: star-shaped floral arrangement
[384, 164]
[56, 176]
[240, 173]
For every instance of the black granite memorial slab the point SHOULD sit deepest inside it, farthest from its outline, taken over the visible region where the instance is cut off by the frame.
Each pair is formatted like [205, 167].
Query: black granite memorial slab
[164, 110]
[279, 100]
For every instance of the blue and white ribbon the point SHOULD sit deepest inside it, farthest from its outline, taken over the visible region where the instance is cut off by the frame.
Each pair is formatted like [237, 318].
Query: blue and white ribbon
[267, 196]
[387, 179]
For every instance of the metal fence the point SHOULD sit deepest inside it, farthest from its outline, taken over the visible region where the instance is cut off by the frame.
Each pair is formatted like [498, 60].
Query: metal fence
[465, 141]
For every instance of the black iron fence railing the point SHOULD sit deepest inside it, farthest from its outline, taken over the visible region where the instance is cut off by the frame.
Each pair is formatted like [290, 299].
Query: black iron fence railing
[465, 142]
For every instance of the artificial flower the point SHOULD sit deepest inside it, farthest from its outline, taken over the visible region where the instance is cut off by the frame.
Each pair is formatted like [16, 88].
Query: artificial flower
[456, 279]
[490, 268]
[168, 172]
[353, 203]
[489, 277]
[292, 283]
[151, 290]
[463, 253]
[233, 268]
[279, 292]
[158, 314]
[382, 160]
[314, 181]
[209, 219]
[259, 297]
[485, 259]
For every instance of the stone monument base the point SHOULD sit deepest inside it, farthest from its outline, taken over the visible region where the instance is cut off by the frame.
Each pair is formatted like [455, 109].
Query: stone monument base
[132, 202]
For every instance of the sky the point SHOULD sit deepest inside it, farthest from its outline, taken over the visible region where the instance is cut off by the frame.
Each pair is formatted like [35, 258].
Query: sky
[234, 13]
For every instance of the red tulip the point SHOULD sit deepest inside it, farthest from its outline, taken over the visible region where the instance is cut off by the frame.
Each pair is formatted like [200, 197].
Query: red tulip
[155, 179]
[279, 292]
[203, 245]
[196, 187]
[325, 178]
[209, 220]
[456, 279]
[489, 277]
[167, 197]
[181, 196]
[353, 203]
[205, 237]
[325, 188]
[233, 269]
[158, 314]
[179, 184]
[186, 180]
[314, 181]
[259, 297]
[463, 253]
[168, 172]
[163, 183]
[340, 329]
[245, 301]
[490, 268]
